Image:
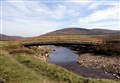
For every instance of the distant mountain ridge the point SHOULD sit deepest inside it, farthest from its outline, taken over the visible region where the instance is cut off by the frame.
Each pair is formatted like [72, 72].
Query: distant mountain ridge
[70, 31]
[82, 31]
[6, 37]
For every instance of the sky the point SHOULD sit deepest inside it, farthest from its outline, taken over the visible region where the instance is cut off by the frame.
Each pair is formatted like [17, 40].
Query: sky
[29, 18]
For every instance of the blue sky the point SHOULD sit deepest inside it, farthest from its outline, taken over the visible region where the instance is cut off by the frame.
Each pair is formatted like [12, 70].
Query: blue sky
[35, 17]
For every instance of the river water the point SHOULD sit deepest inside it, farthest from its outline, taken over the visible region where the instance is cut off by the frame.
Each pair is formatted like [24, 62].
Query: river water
[66, 58]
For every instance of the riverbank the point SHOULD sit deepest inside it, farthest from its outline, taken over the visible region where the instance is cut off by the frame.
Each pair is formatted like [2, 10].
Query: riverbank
[20, 65]
[105, 57]
[108, 64]
[66, 58]
[43, 53]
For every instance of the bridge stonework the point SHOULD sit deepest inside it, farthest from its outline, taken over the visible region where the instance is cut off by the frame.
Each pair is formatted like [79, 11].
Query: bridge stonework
[61, 40]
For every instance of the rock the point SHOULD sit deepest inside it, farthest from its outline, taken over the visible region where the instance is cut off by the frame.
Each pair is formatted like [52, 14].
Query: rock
[3, 81]
[105, 71]
[117, 77]
[78, 62]
[46, 55]
[114, 74]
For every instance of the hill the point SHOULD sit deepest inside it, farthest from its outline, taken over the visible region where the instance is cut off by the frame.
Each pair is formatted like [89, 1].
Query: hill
[6, 37]
[82, 31]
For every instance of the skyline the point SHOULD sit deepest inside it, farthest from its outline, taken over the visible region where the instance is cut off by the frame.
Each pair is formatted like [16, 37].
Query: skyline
[32, 18]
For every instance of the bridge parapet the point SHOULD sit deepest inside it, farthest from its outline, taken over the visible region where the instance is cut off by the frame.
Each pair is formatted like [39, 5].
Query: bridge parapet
[61, 40]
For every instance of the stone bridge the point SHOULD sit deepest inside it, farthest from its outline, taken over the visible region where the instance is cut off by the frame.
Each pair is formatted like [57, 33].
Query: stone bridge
[60, 40]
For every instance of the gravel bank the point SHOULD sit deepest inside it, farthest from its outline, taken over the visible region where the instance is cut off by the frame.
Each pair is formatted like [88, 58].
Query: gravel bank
[107, 64]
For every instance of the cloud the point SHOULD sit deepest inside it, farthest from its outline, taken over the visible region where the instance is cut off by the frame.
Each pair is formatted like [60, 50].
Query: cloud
[56, 13]
[26, 19]
[106, 18]
[28, 29]
[99, 4]
[59, 12]
[103, 25]
[101, 15]
[113, 25]
[95, 5]
[78, 1]
[38, 10]
[32, 18]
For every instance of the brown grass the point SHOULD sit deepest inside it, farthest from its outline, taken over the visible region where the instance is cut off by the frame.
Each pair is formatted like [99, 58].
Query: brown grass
[61, 39]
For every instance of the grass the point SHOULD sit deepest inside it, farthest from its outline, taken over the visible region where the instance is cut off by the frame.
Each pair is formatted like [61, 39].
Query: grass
[60, 39]
[4, 43]
[23, 67]
[14, 72]
[13, 49]
[55, 72]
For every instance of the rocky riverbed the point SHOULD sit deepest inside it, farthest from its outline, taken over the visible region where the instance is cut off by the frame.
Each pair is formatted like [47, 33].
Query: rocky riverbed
[108, 64]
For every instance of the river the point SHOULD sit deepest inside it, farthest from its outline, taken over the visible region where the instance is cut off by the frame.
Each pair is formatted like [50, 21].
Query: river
[66, 58]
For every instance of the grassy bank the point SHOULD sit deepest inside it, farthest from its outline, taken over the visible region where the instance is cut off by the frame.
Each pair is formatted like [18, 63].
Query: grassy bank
[12, 71]
[20, 65]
